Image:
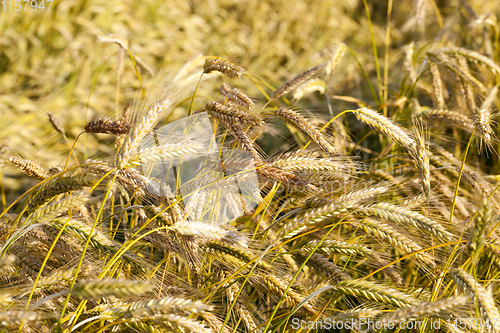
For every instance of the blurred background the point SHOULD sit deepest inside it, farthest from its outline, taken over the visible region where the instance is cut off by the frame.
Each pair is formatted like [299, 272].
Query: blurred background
[64, 61]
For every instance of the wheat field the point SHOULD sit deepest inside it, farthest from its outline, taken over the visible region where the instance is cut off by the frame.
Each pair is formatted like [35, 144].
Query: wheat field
[250, 166]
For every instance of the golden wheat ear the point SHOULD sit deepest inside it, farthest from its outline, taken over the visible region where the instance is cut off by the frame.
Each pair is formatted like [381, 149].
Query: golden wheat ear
[31, 168]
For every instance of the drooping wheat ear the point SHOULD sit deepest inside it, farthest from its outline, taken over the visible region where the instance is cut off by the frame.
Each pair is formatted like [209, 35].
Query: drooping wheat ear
[29, 167]
[227, 113]
[106, 125]
[479, 231]
[421, 155]
[410, 68]
[278, 286]
[426, 309]
[483, 297]
[446, 61]
[376, 292]
[331, 246]
[474, 57]
[394, 237]
[291, 117]
[483, 119]
[236, 96]
[447, 116]
[405, 216]
[224, 66]
[386, 126]
[298, 80]
[309, 87]
[437, 85]
[94, 289]
[55, 123]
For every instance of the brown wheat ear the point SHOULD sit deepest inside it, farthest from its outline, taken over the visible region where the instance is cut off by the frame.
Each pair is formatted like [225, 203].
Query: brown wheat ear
[222, 65]
[55, 123]
[105, 125]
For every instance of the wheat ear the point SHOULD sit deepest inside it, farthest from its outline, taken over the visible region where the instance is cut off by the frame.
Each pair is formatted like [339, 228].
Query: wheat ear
[298, 80]
[29, 167]
[376, 292]
[222, 65]
[298, 121]
[483, 297]
[106, 125]
[394, 237]
[386, 126]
